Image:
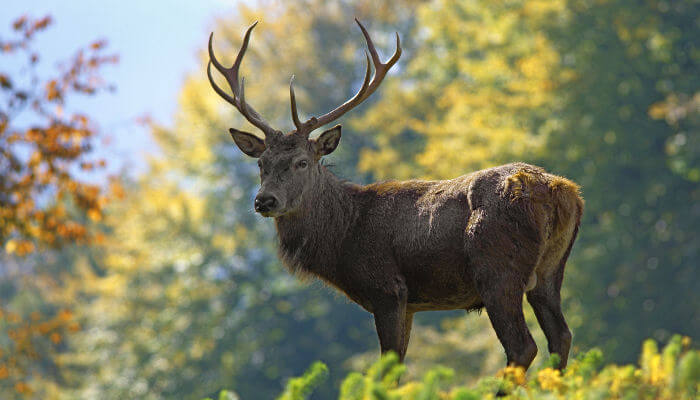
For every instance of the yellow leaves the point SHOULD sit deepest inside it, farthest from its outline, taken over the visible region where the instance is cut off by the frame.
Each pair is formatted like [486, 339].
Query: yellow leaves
[377, 162]
[675, 378]
[112, 286]
[514, 374]
[654, 370]
[676, 108]
[543, 8]
[94, 214]
[19, 247]
[4, 373]
[490, 77]
[11, 246]
[549, 379]
[686, 341]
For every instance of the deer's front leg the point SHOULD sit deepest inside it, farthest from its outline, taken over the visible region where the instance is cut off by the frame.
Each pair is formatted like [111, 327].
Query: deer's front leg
[390, 318]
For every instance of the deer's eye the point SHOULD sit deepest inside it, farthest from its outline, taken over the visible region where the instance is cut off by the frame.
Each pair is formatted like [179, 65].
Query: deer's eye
[302, 164]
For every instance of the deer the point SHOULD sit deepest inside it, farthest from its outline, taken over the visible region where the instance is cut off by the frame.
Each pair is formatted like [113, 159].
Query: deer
[483, 240]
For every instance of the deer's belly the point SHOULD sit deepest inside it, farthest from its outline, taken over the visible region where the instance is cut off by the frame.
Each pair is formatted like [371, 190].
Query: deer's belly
[440, 283]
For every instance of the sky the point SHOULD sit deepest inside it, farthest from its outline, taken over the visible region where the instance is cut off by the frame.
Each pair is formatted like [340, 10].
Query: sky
[157, 42]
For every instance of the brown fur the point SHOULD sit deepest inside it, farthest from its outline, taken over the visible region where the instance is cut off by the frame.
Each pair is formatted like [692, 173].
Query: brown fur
[482, 239]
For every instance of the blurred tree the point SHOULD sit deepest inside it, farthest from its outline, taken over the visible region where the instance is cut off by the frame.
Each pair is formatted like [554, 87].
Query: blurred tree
[480, 85]
[45, 201]
[43, 145]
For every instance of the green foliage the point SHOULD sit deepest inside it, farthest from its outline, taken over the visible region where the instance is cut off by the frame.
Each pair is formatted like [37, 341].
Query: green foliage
[300, 388]
[225, 395]
[672, 374]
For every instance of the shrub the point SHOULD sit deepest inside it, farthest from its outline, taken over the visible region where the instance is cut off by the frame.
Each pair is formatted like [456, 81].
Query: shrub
[673, 373]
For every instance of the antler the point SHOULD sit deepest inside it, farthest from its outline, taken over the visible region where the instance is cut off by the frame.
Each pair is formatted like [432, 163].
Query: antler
[231, 75]
[367, 88]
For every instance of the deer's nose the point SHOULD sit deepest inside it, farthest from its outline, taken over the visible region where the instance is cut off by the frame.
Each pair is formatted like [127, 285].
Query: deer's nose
[265, 203]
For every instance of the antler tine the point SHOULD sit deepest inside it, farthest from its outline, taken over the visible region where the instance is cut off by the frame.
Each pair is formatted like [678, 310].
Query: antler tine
[231, 75]
[305, 128]
[367, 88]
[380, 69]
[293, 100]
[373, 51]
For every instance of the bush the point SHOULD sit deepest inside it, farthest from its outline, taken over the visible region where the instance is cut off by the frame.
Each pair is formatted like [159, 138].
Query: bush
[673, 373]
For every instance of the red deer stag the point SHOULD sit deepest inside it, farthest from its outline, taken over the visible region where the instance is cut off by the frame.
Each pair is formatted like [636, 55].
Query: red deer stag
[396, 248]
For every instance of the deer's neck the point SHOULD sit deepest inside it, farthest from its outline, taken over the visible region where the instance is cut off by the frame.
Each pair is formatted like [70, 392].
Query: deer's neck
[311, 239]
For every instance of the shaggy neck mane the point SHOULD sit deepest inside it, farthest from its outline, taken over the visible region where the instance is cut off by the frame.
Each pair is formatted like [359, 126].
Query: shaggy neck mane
[310, 239]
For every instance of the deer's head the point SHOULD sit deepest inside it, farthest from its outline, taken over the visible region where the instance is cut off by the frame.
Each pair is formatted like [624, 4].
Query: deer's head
[289, 163]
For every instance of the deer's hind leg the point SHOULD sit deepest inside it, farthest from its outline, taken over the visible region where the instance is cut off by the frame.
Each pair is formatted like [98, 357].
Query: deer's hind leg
[501, 258]
[545, 300]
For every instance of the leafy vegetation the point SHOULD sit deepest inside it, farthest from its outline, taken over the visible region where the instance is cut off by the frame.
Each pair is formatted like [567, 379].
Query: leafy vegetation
[40, 159]
[673, 373]
[46, 199]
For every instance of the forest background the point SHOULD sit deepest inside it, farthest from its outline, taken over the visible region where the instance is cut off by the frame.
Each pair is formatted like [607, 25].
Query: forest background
[155, 279]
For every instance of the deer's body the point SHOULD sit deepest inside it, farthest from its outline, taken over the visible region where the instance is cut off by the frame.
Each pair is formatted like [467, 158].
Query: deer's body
[441, 245]
[417, 235]
[396, 248]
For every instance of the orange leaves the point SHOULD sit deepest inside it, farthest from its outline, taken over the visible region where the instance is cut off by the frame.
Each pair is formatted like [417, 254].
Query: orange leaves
[117, 190]
[42, 23]
[28, 339]
[56, 338]
[98, 44]
[19, 247]
[5, 81]
[43, 160]
[65, 315]
[52, 92]
[23, 388]
[94, 214]
[19, 23]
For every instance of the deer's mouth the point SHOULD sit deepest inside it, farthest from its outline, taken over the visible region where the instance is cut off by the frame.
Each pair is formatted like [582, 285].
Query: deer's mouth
[271, 214]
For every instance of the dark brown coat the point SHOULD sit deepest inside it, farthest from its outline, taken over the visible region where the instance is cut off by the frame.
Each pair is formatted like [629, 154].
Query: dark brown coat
[482, 239]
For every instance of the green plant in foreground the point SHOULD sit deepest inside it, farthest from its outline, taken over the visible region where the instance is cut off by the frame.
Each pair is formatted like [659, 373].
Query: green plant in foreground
[299, 388]
[673, 373]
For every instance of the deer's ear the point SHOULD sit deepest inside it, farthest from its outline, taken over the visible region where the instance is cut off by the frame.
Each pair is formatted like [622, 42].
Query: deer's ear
[248, 143]
[327, 141]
